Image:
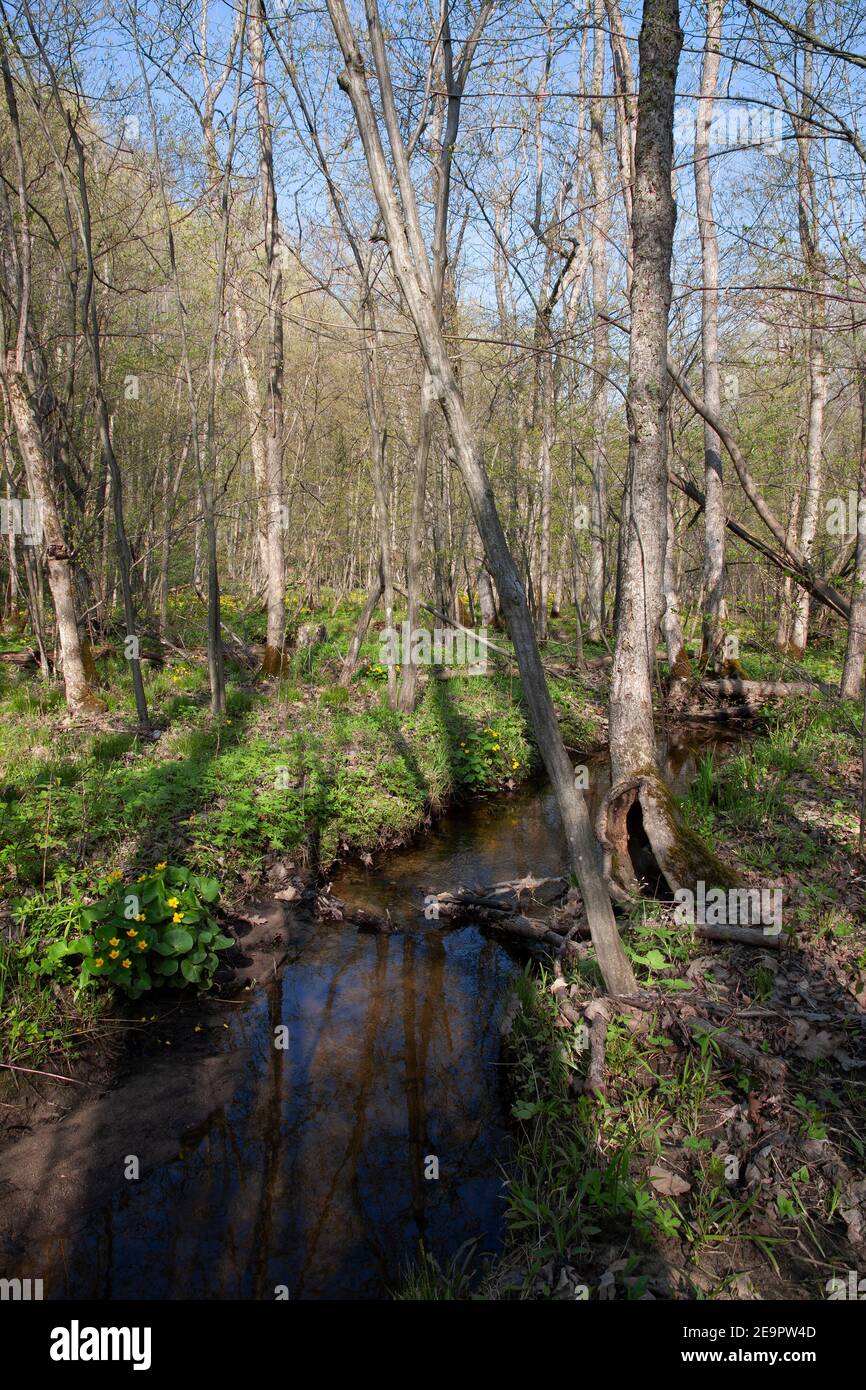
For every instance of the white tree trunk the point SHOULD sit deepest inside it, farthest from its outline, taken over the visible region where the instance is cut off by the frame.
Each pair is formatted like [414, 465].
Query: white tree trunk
[714, 509]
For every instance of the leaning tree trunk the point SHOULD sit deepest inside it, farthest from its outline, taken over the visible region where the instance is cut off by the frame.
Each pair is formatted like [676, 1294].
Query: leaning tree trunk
[350, 664]
[638, 825]
[412, 270]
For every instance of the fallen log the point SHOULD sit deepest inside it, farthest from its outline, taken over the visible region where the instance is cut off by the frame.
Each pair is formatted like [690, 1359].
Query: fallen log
[736, 1048]
[25, 660]
[596, 1015]
[741, 936]
[524, 929]
[503, 897]
[752, 691]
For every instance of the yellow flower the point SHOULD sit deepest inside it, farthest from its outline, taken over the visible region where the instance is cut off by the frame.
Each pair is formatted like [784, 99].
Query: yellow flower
[114, 875]
[99, 961]
[140, 917]
[515, 764]
[142, 945]
[112, 955]
[228, 721]
[126, 963]
[495, 747]
[177, 917]
[115, 941]
[132, 932]
[172, 902]
[163, 865]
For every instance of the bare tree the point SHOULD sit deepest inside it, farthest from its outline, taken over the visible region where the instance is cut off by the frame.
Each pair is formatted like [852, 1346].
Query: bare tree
[17, 258]
[272, 501]
[600, 347]
[714, 509]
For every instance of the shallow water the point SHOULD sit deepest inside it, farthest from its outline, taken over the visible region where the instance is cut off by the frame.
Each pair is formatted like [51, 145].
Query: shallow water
[314, 1175]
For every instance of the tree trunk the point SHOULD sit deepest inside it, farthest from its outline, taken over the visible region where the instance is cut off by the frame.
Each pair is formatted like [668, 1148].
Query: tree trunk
[374, 594]
[255, 413]
[600, 348]
[274, 574]
[378, 467]
[546, 482]
[60, 579]
[638, 824]
[632, 734]
[714, 510]
[852, 673]
[807, 214]
[409, 673]
[679, 666]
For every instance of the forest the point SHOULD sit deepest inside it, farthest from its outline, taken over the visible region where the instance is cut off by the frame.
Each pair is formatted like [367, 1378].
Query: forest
[432, 642]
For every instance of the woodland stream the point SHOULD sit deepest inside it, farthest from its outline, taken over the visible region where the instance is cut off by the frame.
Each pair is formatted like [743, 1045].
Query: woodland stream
[312, 1176]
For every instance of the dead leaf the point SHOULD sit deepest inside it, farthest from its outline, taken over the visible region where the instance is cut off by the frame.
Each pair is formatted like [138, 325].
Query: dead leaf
[669, 1184]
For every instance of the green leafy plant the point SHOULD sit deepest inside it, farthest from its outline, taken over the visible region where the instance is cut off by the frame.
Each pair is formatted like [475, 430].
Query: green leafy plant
[159, 930]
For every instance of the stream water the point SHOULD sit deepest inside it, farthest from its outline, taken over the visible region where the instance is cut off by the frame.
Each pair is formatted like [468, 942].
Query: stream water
[315, 1175]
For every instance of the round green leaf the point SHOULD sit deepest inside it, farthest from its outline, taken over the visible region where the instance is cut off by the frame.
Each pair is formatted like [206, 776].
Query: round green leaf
[179, 940]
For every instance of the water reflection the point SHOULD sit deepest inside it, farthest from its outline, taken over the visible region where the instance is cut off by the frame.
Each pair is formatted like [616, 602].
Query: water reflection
[314, 1176]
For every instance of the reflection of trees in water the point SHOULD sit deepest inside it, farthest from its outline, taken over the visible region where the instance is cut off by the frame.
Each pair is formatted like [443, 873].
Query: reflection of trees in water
[420, 1081]
[414, 1068]
[272, 1166]
[313, 1175]
[358, 1086]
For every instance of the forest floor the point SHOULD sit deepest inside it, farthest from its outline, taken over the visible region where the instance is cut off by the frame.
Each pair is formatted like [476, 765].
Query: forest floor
[696, 1176]
[692, 1177]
